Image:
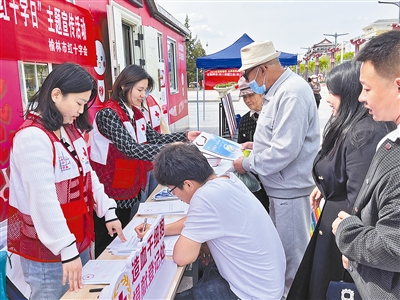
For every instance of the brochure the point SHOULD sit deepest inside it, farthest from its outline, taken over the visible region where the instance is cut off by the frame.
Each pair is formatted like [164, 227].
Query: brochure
[117, 247]
[164, 195]
[217, 146]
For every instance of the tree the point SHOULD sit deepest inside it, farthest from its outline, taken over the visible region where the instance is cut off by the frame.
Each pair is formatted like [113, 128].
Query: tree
[324, 64]
[346, 56]
[194, 49]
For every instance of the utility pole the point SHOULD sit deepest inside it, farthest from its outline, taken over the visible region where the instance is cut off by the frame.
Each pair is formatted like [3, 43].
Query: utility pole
[394, 3]
[306, 58]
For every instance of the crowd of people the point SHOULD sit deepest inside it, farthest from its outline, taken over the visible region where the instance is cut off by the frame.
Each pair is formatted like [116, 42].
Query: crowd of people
[253, 246]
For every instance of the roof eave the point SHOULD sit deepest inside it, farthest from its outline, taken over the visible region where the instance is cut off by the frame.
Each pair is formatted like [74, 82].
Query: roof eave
[166, 18]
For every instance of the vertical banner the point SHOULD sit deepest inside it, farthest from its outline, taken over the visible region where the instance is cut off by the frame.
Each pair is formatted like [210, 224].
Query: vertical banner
[10, 119]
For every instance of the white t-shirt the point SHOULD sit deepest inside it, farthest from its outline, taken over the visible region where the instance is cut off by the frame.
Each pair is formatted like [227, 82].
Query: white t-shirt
[241, 236]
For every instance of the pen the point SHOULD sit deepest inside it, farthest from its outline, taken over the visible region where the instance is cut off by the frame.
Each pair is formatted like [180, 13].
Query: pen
[95, 290]
[144, 227]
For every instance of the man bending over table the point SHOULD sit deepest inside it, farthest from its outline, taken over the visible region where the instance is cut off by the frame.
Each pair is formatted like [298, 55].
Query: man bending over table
[228, 218]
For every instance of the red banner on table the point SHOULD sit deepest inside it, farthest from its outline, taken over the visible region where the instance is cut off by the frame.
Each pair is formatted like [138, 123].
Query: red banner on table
[46, 31]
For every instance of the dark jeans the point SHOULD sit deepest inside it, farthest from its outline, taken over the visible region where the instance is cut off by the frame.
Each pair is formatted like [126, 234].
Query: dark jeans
[210, 286]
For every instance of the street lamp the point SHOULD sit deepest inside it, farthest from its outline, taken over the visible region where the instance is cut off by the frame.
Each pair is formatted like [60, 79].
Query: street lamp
[317, 56]
[335, 35]
[394, 3]
[334, 48]
[357, 42]
[306, 58]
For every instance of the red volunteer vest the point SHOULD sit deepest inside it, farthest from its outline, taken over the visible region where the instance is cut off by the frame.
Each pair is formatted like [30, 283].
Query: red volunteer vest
[154, 112]
[122, 176]
[76, 201]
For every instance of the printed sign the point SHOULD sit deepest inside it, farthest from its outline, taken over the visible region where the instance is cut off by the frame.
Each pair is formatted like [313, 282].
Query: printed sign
[46, 30]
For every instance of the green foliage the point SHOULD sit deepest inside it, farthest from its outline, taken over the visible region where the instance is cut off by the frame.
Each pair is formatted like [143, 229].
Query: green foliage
[194, 49]
[302, 68]
[311, 67]
[324, 64]
[346, 56]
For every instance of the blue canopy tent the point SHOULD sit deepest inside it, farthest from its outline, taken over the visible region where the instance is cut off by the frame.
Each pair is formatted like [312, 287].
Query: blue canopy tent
[229, 58]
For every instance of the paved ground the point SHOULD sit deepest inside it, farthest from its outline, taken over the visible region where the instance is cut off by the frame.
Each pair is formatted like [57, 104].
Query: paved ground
[204, 114]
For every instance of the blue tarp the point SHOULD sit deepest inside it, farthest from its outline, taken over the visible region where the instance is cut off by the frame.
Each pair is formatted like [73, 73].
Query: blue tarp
[229, 58]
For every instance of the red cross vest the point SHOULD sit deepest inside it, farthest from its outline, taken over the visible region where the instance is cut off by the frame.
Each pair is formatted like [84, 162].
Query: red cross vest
[122, 176]
[155, 121]
[73, 192]
[154, 112]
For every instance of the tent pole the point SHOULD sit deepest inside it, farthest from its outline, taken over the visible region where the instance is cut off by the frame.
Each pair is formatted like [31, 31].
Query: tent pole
[204, 96]
[197, 97]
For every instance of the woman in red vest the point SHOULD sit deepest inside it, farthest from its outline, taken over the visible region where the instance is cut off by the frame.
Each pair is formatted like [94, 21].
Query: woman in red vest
[154, 117]
[122, 145]
[53, 189]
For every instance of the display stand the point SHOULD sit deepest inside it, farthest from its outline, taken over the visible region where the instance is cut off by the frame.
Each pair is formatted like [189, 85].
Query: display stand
[227, 117]
[223, 123]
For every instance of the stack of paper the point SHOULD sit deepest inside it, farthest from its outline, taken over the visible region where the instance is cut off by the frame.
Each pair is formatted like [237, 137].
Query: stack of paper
[117, 247]
[101, 271]
[164, 207]
[164, 195]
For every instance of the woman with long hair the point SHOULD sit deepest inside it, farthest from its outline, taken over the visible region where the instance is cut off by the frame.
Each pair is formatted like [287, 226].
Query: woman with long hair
[349, 142]
[123, 146]
[53, 189]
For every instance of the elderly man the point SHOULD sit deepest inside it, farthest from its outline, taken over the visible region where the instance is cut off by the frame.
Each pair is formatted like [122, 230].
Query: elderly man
[370, 238]
[286, 142]
[248, 123]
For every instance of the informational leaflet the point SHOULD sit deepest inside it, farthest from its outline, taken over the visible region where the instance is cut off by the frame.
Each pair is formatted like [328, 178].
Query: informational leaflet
[163, 194]
[163, 207]
[217, 146]
[117, 247]
[101, 271]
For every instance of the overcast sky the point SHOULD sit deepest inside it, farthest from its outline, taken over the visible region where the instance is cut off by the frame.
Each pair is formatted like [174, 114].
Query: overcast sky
[290, 25]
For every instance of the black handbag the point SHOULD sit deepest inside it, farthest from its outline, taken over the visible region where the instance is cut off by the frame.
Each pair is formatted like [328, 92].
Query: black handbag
[341, 290]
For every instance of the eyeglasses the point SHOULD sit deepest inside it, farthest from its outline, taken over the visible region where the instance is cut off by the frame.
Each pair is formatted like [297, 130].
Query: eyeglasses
[171, 190]
[246, 73]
